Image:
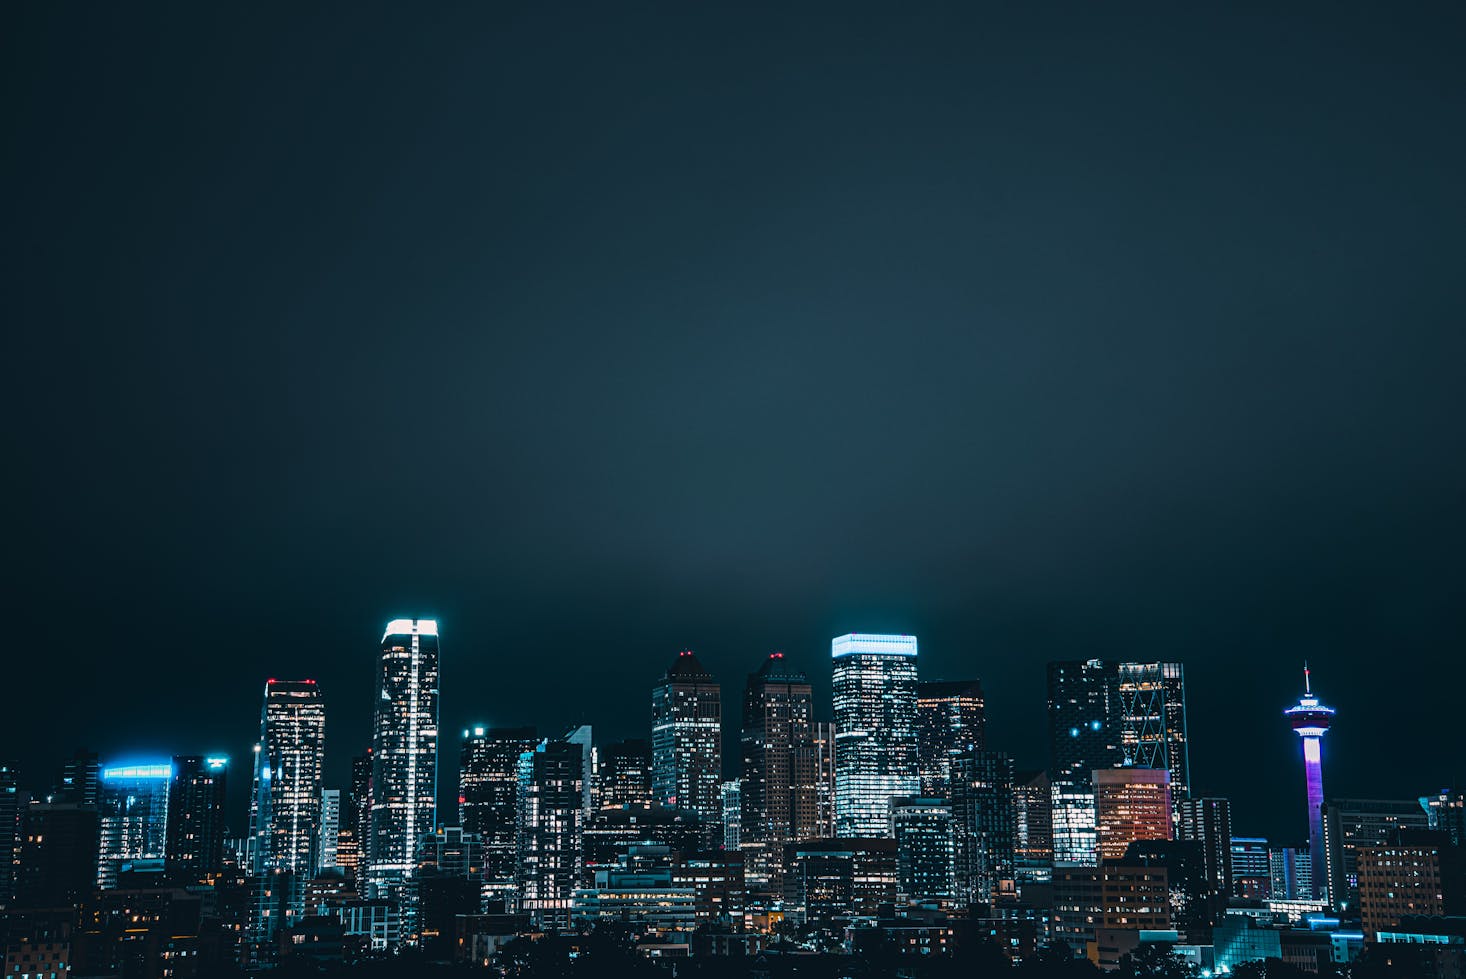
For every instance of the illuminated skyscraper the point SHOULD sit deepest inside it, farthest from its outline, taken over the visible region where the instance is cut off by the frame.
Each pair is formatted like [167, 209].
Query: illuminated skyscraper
[330, 830]
[1130, 804]
[984, 824]
[1349, 825]
[1208, 823]
[196, 800]
[925, 850]
[1033, 827]
[687, 743]
[1084, 734]
[732, 813]
[949, 719]
[875, 730]
[133, 805]
[11, 806]
[624, 774]
[285, 810]
[404, 753]
[488, 801]
[780, 795]
[824, 779]
[1153, 720]
[551, 830]
[1311, 720]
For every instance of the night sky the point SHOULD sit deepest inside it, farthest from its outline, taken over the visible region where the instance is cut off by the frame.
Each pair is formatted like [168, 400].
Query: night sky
[1116, 330]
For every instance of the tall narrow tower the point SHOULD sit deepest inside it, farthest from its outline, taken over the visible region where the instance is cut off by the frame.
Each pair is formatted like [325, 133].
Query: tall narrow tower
[687, 743]
[1311, 720]
[875, 730]
[404, 754]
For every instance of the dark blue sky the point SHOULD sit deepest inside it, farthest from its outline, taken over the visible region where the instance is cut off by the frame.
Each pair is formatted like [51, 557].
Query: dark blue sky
[1053, 332]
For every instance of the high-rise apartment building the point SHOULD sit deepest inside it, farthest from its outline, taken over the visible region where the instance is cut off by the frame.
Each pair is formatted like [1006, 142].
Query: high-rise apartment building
[779, 788]
[404, 753]
[488, 802]
[1349, 824]
[732, 813]
[984, 818]
[1084, 735]
[949, 719]
[132, 803]
[551, 830]
[875, 730]
[330, 830]
[11, 807]
[196, 800]
[1421, 874]
[1251, 868]
[925, 848]
[1130, 804]
[824, 779]
[687, 743]
[1152, 698]
[1208, 823]
[285, 808]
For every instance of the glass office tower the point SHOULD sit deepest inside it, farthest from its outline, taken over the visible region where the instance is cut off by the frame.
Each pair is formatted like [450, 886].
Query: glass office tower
[132, 801]
[1084, 734]
[687, 743]
[404, 753]
[285, 810]
[875, 730]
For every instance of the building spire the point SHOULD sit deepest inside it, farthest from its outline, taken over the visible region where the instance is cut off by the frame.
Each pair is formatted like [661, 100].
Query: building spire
[1307, 682]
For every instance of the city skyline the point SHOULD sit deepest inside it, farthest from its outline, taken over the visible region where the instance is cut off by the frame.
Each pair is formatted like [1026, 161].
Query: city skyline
[732, 732]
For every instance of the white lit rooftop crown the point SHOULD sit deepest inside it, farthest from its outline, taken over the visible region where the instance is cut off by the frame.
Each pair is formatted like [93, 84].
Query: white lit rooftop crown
[859, 642]
[164, 770]
[406, 627]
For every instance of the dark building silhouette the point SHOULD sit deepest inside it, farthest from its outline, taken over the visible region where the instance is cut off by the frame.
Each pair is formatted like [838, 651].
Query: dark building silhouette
[81, 779]
[58, 857]
[949, 718]
[780, 794]
[624, 774]
[195, 832]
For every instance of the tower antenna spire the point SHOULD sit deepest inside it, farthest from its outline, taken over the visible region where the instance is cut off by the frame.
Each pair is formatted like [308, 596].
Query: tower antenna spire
[1307, 682]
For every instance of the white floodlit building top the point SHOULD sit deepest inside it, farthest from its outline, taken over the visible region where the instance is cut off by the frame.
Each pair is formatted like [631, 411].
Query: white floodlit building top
[406, 627]
[861, 642]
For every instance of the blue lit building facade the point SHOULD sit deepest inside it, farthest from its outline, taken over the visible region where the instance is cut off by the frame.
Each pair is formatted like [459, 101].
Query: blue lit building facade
[875, 730]
[133, 809]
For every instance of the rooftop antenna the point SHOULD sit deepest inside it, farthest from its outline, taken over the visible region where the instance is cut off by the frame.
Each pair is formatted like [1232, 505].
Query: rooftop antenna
[1307, 685]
